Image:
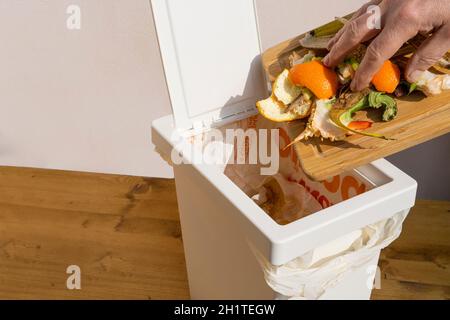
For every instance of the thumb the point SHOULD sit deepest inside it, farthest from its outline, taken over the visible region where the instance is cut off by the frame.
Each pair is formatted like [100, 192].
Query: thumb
[431, 50]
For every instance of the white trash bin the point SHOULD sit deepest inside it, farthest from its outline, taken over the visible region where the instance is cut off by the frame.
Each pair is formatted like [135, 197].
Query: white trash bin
[210, 53]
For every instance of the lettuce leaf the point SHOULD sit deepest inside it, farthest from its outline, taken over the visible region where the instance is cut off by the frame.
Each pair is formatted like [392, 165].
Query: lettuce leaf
[378, 99]
[342, 117]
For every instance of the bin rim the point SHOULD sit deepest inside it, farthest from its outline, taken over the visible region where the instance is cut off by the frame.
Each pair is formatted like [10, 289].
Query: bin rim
[382, 201]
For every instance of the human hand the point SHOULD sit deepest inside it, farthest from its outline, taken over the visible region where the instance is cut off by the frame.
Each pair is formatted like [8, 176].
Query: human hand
[400, 21]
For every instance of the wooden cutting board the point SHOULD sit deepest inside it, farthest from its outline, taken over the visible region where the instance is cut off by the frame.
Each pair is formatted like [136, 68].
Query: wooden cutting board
[419, 119]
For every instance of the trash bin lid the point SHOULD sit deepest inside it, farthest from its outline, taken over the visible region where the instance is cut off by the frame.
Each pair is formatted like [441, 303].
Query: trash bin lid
[211, 56]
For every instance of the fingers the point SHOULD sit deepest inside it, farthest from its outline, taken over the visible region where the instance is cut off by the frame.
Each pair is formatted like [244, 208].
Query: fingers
[357, 14]
[381, 49]
[355, 32]
[428, 53]
[336, 37]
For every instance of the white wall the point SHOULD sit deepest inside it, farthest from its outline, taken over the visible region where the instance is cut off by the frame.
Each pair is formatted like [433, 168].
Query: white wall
[80, 100]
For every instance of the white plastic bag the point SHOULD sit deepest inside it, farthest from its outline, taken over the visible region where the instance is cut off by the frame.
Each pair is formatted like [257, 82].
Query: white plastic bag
[312, 274]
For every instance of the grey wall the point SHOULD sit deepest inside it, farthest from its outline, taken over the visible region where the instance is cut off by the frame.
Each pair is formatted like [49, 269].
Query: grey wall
[429, 164]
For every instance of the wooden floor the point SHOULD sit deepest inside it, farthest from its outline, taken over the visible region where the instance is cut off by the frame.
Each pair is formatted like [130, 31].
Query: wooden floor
[124, 233]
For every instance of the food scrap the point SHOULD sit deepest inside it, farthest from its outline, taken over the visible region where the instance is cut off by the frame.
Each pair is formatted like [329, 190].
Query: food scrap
[387, 78]
[288, 102]
[320, 96]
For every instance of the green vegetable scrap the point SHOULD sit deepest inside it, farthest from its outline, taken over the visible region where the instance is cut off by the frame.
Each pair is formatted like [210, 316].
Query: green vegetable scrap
[329, 29]
[342, 117]
[378, 99]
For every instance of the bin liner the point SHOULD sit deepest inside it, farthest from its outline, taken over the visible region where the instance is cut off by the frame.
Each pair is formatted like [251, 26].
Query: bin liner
[310, 275]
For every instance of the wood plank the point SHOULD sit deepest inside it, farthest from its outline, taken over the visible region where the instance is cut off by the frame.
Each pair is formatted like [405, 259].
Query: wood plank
[128, 247]
[398, 290]
[425, 272]
[123, 232]
[415, 124]
[419, 119]
[417, 264]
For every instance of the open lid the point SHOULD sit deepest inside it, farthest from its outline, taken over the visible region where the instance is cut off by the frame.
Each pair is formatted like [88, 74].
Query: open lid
[211, 56]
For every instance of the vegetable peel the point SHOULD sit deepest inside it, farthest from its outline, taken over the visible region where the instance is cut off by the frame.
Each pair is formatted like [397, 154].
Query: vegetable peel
[378, 99]
[343, 117]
